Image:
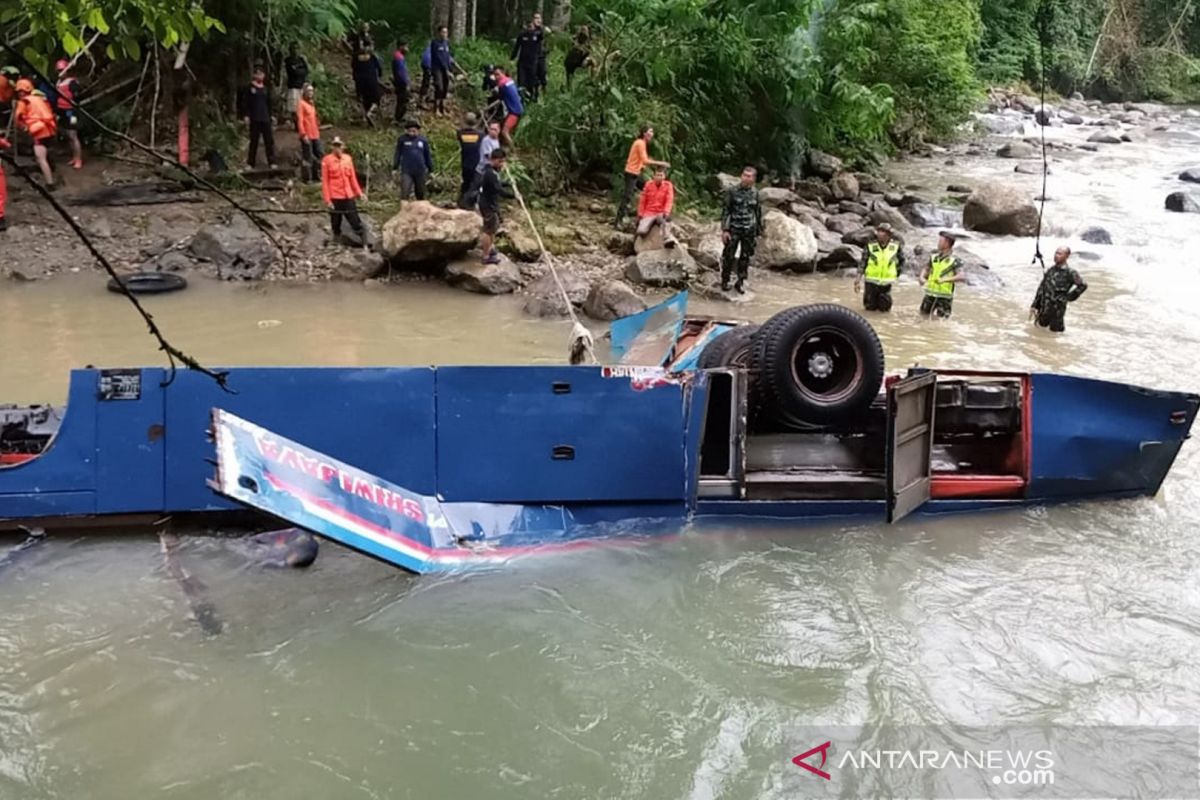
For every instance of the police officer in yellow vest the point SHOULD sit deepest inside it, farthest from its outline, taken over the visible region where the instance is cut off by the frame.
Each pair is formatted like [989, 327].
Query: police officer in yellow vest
[882, 263]
[940, 276]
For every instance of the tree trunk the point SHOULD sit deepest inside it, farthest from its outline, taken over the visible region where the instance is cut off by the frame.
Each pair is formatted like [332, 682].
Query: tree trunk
[560, 20]
[474, 17]
[439, 12]
[458, 30]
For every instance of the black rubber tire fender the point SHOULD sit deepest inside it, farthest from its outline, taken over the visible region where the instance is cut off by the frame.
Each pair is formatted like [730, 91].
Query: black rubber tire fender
[729, 349]
[149, 283]
[841, 340]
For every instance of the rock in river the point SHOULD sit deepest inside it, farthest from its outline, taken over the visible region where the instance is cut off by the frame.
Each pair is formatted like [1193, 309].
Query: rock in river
[1015, 150]
[664, 268]
[844, 186]
[1190, 175]
[609, 300]
[1096, 235]
[237, 250]
[823, 164]
[1104, 138]
[1000, 209]
[786, 244]
[421, 233]
[470, 274]
[1183, 202]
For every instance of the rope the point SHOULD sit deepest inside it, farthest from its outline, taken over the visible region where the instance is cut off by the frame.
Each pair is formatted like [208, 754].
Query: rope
[1037, 247]
[172, 352]
[582, 345]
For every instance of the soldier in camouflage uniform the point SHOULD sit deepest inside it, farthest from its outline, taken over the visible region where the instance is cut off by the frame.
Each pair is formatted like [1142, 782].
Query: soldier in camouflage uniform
[741, 225]
[1060, 285]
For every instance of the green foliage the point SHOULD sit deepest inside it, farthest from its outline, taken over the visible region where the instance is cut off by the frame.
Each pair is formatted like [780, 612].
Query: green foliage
[126, 25]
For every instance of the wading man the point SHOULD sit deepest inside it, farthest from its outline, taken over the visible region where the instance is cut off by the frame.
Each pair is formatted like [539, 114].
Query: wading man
[882, 263]
[741, 225]
[940, 276]
[1060, 285]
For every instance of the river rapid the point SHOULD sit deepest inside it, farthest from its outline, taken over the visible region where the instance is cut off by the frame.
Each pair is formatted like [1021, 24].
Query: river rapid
[682, 668]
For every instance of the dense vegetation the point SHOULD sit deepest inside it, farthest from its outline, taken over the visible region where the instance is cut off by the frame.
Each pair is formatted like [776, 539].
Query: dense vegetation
[725, 82]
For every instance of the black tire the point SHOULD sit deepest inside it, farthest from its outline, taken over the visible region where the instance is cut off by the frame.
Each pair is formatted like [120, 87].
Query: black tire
[815, 365]
[730, 349]
[149, 283]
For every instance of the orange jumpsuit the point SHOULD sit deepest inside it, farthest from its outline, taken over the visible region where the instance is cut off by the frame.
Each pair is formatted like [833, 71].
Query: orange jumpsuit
[35, 115]
[4, 145]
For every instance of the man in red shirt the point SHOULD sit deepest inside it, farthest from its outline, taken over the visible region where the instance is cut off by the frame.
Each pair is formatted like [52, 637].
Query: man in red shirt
[656, 205]
[341, 190]
[309, 126]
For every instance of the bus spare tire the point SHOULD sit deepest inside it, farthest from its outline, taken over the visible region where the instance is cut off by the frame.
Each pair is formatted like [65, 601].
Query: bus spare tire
[729, 349]
[149, 283]
[815, 365]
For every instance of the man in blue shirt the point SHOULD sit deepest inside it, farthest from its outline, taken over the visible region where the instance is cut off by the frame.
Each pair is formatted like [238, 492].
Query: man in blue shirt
[413, 160]
[441, 62]
[400, 79]
[510, 94]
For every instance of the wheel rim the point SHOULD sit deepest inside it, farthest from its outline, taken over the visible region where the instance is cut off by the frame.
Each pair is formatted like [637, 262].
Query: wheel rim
[827, 366]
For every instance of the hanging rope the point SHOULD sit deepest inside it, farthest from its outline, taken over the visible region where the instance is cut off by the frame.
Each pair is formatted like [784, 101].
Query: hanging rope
[582, 346]
[1042, 120]
[172, 352]
[258, 222]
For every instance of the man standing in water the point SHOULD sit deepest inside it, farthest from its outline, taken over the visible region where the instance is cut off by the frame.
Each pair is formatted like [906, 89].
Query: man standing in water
[741, 225]
[635, 164]
[940, 277]
[1060, 285]
[882, 263]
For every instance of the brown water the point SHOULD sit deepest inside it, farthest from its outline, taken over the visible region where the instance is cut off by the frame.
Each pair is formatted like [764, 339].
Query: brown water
[675, 670]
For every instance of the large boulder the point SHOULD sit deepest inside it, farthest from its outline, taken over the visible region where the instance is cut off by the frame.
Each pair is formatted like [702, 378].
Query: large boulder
[859, 238]
[843, 223]
[1096, 235]
[1183, 202]
[238, 250]
[621, 243]
[546, 299]
[1190, 175]
[422, 233]
[884, 213]
[474, 276]
[609, 300]
[663, 268]
[357, 265]
[1104, 138]
[777, 197]
[1016, 150]
[518, 245]
[786, 244]
[706, 247]
[997, 208]
[1072, 119]
[845, 256]
[814, 190]
[1000, 124]
[927, 215]
[823, 164]
[653, 240]
[851, 207]
[844, 186]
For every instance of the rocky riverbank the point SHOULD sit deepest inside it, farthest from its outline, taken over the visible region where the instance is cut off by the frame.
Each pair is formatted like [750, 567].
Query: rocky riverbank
[819, 222]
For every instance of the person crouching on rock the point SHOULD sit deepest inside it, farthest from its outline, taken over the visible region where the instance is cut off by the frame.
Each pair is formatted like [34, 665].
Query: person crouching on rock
[491, 190]
[655, 206]
[340, 188]
[940, 276]
[882, 264]
[413, 160]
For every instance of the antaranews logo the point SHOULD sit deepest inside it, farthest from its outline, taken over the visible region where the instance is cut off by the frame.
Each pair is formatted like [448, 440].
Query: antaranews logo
[823, 749]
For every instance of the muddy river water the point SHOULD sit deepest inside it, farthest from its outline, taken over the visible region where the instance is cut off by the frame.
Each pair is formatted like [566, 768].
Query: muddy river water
[680, 669]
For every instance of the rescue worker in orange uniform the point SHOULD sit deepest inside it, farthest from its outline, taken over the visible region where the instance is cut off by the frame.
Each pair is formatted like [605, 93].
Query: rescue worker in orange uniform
[4, 145]
[67, 90]
[309, 127]
[35, 115]
[8, 80]
[340, 188]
